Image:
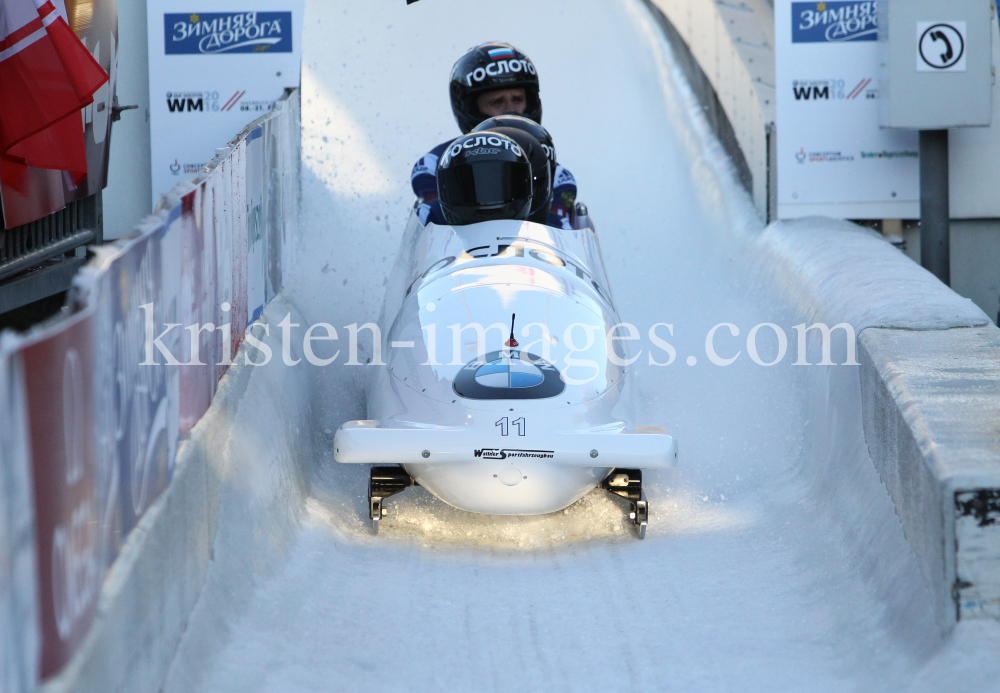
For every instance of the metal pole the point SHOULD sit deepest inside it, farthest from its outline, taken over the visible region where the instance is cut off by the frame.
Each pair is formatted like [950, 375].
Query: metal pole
[935, 215]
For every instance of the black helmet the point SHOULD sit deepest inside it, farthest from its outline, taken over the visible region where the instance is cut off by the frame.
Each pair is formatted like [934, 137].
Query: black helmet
[537, 144]
[529, 126]
[489, 67]
[484, 176]
[541, 178]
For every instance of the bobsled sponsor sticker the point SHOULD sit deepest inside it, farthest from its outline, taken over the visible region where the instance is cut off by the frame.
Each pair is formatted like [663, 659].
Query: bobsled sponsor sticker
[834, 22]
[481, 141]
[508, 374]
[513, 247]
[506, 453]
[227, 32]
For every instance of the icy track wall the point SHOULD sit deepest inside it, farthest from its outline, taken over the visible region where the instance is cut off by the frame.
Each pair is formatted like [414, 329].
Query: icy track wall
[726, 52]
[929, 394]
[929, 358]
[110, 488]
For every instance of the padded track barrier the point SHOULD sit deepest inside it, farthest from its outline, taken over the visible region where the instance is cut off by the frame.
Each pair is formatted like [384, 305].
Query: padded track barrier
[97, 401]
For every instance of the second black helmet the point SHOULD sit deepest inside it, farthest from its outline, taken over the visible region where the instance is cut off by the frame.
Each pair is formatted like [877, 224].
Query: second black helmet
[484, 176]
[529, 126]
[537, 144]
[541, 178]
[490, 67]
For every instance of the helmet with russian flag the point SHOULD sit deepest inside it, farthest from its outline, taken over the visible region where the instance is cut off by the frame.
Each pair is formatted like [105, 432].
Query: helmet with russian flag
[491, 67]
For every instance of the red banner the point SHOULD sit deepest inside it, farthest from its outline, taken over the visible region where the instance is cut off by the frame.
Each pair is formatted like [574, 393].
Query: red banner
[59, 390]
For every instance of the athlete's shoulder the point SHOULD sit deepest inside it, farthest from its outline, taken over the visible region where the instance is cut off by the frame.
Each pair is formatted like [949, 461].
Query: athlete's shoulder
[427, 164]
[439, 150]
[563, 177]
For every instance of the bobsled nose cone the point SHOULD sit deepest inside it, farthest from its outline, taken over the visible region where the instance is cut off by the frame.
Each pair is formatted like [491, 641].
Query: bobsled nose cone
[510, 476]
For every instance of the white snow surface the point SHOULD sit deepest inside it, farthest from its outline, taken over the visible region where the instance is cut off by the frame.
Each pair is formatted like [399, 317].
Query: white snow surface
[774, 559]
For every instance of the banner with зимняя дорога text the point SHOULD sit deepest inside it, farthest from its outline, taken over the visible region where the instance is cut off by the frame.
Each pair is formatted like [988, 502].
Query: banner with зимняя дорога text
[212, 71]
[832, 157]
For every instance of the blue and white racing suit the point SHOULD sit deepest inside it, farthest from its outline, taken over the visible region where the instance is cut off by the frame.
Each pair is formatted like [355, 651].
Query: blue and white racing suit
[424, 182]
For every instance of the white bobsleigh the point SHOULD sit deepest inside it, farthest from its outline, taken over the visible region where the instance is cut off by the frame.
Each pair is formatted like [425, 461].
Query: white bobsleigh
[492, 417]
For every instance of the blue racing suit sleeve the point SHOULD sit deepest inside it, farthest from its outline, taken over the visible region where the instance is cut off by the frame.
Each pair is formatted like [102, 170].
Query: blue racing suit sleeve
[563, 210]
[423, 178]
[430, 213]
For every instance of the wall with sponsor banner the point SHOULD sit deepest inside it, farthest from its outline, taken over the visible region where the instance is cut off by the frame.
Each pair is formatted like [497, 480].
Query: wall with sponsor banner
[813, 83]
[18, 590]
[96, 401]
[211, 71]
[832, 157]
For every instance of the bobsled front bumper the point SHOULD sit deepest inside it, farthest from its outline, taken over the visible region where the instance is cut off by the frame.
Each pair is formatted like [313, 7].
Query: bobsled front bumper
[364, 442]
[530, 475]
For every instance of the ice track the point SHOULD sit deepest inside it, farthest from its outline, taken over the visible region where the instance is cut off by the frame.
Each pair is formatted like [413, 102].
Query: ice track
[774, 560]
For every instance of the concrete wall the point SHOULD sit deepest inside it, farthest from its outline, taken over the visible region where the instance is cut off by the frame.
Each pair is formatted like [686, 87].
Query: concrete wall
[930, 403]
[929, 397]
[733, 43]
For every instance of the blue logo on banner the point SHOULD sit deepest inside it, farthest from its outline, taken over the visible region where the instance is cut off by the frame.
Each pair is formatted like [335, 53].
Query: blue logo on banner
[834, 22]
[228, 32]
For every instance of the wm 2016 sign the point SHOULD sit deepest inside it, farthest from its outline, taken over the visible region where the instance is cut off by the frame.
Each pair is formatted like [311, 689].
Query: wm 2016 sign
[834, 22]
[210, 73]
[832, 157]
[227, 32]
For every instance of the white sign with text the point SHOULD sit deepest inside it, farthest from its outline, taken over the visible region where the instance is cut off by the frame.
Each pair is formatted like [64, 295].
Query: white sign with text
[212, 72]
[832, 158]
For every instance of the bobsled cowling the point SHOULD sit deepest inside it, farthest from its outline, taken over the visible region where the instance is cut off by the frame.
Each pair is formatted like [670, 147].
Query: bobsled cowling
[485, 424]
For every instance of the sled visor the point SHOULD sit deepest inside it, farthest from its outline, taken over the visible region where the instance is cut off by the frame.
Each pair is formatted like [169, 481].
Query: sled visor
[365, 442]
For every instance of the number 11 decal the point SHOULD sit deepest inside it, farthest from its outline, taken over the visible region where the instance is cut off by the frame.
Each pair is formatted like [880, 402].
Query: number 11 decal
[504, 423]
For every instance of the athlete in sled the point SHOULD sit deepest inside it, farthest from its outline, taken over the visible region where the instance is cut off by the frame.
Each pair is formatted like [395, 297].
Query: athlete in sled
[499, 392]
[489, 80]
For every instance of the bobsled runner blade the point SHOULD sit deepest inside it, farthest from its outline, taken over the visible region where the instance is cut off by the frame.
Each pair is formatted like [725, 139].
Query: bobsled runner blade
[627, 484]
[383, 483]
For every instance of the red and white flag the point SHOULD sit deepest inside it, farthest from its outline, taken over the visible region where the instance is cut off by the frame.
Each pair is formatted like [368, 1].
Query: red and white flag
[46, 77]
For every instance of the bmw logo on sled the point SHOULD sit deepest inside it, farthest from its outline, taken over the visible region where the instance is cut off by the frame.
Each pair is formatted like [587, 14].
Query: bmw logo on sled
[497, 392]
